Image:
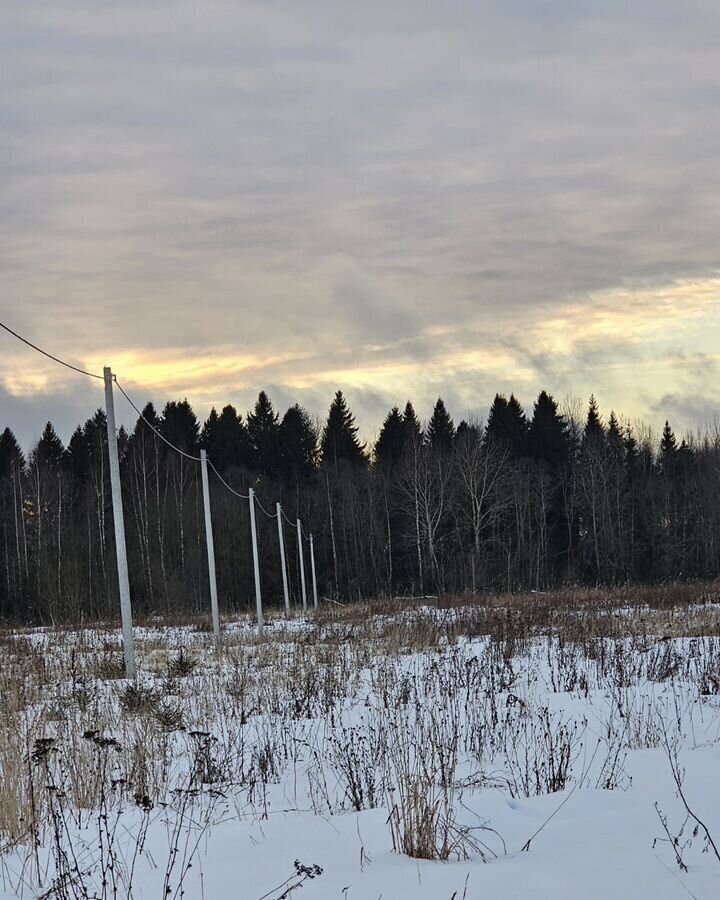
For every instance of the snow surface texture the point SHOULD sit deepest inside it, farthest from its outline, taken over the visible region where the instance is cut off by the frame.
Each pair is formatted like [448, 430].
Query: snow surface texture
[306, 762]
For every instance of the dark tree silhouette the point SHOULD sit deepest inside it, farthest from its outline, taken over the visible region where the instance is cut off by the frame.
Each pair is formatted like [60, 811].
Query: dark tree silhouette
[507, 425]
[411, 425]
[49, 450]
[298, 440]
[548, 435]
[594, 433]
[180, 426]
[10, 454]
[226, 439]
[668, 449]
[513, 506]
[440, 430]
[390, 445]
[339, 437]
[263, 431]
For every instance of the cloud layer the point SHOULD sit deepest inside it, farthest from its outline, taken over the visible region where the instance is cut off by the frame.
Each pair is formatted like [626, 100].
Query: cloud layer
[404, 199]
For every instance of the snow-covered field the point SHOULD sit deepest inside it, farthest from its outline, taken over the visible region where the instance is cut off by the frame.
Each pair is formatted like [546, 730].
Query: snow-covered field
[563, 752]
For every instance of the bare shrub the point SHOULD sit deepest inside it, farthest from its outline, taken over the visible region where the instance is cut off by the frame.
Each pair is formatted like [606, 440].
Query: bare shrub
[540, 750]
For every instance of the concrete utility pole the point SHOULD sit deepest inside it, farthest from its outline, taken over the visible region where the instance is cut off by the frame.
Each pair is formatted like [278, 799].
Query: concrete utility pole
[286, 595]
[302, 564]
[256, 563]
[210, 547]
[312, 569]
[119, 522]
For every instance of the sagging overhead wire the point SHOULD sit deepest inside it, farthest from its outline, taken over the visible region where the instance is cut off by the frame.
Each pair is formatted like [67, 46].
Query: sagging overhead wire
[232, 490]
[289, 521]
[170, 444]
[303, 532]
[190, 456]
[152, 427]
[149, 424]
[50, 355]
[262, 508]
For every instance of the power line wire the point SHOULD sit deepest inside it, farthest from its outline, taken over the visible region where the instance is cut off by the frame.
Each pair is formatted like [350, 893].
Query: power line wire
[170, 444]
[289, 521]
[49, 355]
[149, 424]
[190, 456]
[232, 490]
[269, 515]
[152, 427]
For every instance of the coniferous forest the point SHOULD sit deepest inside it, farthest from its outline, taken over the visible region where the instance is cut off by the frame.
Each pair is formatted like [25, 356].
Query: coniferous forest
[526, 500]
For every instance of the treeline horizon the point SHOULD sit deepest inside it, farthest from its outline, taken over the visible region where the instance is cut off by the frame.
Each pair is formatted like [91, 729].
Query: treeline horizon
[526, 500]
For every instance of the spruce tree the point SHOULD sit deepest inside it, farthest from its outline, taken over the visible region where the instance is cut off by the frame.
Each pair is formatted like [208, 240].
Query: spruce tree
[390, 445]
[632, 451]
[49, 450]
[496, 417]
[507, 424]
[548, 435]
[209, 432]
[123, 443]
[149, 418]
[263, 428]
[226, 440]
[518, 426]
[440, 430]
[594, 430]
[668, 449]
[615, 439]
[142, 435]
[180, 426]
[411, 426]
[297, 440]
[10, 454]
[95, 436]
[236, 448]
[339, 437]
[77, 456]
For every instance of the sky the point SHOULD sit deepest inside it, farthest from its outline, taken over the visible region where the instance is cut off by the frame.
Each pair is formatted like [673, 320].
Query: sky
[401, 199]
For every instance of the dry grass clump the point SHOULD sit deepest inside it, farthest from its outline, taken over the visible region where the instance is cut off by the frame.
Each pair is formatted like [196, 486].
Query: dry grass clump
[575, 614]
[387, 702]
